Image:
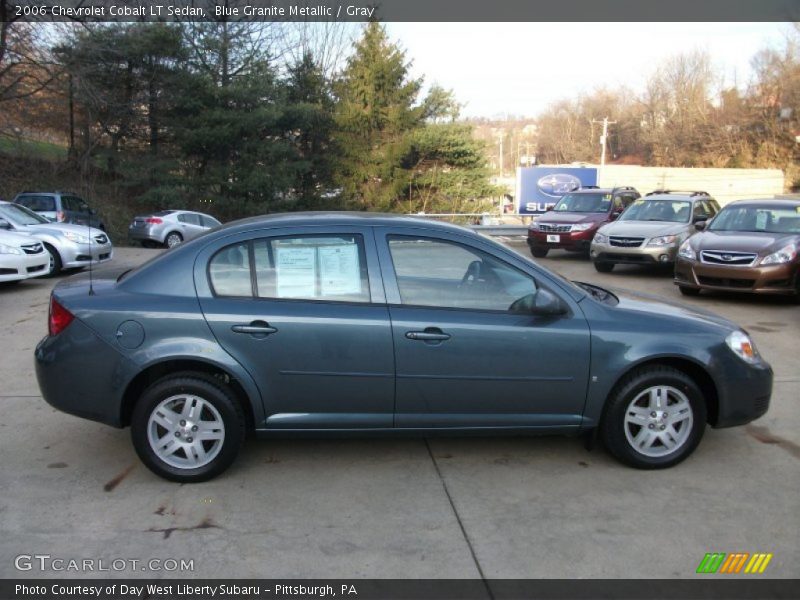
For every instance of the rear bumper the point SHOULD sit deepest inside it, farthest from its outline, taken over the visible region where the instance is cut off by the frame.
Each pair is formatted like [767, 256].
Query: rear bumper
[142, 234]
[771, 279]
[61, 370]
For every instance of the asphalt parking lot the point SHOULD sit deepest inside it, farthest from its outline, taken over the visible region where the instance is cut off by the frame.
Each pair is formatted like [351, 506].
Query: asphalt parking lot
[406, 508]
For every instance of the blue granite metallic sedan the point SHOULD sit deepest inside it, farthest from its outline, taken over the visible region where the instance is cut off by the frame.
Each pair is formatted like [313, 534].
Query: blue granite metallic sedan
[344, 323]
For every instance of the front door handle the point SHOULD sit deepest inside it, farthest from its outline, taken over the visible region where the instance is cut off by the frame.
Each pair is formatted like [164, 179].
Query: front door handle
[429, 335]
[257, 328]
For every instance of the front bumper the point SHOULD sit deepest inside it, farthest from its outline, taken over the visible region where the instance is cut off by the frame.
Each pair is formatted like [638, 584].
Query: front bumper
[770, 279]
[744, 392]
[15, 267]
[75, 255]
[573, 240]
[642, 255]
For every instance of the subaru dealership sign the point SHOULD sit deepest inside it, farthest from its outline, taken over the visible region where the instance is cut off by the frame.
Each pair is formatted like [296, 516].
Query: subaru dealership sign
[541, 187]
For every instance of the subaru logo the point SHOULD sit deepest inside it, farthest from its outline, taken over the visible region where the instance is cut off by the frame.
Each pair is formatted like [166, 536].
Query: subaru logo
[558, 184]
[727, 257]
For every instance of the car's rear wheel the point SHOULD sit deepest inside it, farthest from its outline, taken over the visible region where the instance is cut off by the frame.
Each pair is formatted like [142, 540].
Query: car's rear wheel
[655, 418]
[539, 251]
[603, 267]
[173, 239]
[187, 427]
[689, 291]
[55, 260]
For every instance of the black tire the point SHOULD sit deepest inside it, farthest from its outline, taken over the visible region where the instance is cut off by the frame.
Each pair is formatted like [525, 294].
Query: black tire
[214, 392]
[55, 260]
[539, 251]
[603, 267]
[613, 425]
[689, 291]
[173, 235]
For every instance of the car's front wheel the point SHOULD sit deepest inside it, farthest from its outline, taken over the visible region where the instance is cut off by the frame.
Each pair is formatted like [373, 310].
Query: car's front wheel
[539, 251]
[603, 267]
[55, 265]
[188, 427]
[655, 418]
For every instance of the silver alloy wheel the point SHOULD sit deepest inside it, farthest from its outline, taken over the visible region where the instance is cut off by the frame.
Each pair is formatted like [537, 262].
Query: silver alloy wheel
[173, 239]
[185, 431]
[52, 264]
[658, 421]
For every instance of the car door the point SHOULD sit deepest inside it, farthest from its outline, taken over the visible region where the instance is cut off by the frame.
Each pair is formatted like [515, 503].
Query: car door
[191, 226]
[463, 358]
[304, 312]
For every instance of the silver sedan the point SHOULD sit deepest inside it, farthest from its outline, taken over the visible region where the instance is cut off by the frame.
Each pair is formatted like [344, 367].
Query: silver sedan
[169, 227]
[69, 246]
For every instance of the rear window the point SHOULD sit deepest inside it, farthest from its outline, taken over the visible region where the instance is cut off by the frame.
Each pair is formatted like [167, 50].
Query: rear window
[38, 203]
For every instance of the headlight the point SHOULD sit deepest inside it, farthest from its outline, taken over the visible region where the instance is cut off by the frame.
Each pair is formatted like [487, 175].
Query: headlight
[534, 227]
[9, 249]
[599, 238]
[742, 346]
[76, 237]
[685, 251]
[664, 240]
[582, 226]
[784, 255]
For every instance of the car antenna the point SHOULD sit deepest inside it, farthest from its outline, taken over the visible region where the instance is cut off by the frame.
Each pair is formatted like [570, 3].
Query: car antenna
[91, 282]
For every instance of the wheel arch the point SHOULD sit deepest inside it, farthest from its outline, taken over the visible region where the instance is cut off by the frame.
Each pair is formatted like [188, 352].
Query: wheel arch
[170, 231]
[698, 373]
[156, 371]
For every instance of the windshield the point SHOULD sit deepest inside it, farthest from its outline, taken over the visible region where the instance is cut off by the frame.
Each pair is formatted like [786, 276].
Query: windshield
[587, 203]
[769, 219]
[670, 211]
[19, 215]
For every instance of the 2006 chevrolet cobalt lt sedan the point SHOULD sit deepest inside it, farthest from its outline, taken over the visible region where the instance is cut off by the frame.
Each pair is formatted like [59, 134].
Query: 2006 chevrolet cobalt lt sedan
[364, 323]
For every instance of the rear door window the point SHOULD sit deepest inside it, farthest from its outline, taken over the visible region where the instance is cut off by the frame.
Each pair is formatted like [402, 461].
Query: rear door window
[189, 218]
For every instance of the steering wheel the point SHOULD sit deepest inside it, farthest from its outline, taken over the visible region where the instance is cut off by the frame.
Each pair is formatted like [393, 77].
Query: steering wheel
[472, 275]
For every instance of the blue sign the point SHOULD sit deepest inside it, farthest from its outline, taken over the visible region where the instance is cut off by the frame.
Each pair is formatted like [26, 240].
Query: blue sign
[541, 187]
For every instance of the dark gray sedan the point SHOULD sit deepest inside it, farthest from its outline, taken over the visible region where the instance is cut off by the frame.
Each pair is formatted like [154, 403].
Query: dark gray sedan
[364, 323]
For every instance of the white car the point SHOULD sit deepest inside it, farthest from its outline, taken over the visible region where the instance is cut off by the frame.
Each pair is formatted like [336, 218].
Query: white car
[22, 257]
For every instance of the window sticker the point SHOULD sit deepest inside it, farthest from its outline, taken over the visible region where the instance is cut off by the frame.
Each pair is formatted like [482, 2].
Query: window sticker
[339, 270]
[296, 271]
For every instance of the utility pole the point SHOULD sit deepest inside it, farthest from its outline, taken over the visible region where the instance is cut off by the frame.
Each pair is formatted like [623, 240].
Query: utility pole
[501, 154]
[603, 139]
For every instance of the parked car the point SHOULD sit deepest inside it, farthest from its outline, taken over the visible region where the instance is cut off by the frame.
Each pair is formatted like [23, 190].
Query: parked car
[61, 208]
[21, 257]
[573, 221]
[170, 227]
[750, 246]
[68, 246]
[651, 229]
[365, 323]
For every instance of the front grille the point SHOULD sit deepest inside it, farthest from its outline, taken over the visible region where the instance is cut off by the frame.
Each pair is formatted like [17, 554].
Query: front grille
[724, 257]
[101, 239]
[33, 248]
[548, 228]
[8, 271]
[729, 282]
[625, 242]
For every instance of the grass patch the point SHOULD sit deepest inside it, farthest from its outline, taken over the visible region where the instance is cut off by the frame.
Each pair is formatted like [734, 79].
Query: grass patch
[32, 149]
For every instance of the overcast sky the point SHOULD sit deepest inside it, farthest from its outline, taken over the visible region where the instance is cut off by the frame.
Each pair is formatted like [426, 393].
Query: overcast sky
[520, 68]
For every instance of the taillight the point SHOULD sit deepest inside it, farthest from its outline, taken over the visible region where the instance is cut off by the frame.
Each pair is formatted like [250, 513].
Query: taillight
[153, 221]
[60, 216]
[59, 317]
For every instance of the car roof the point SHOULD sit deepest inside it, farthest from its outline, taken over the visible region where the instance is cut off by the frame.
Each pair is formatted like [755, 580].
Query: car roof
[599, 190]
[762, 202]
[681, 197]
[370, 219]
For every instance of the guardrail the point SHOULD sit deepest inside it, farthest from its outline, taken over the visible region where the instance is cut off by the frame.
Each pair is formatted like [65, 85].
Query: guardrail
[483, 223]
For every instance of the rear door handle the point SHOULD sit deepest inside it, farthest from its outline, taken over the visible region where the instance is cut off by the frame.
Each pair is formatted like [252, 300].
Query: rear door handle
[258, 328]
[429, 335]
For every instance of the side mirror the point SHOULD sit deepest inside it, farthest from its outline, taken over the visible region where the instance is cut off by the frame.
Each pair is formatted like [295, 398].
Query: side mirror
[542, 303]
[549, 207]
[615, 215]
[4, 224]
[700, 225]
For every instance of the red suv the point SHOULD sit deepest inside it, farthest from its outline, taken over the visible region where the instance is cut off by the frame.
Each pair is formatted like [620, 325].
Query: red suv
[573, 221]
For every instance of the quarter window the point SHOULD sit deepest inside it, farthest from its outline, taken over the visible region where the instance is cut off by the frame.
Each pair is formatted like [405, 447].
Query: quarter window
[449, 275]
